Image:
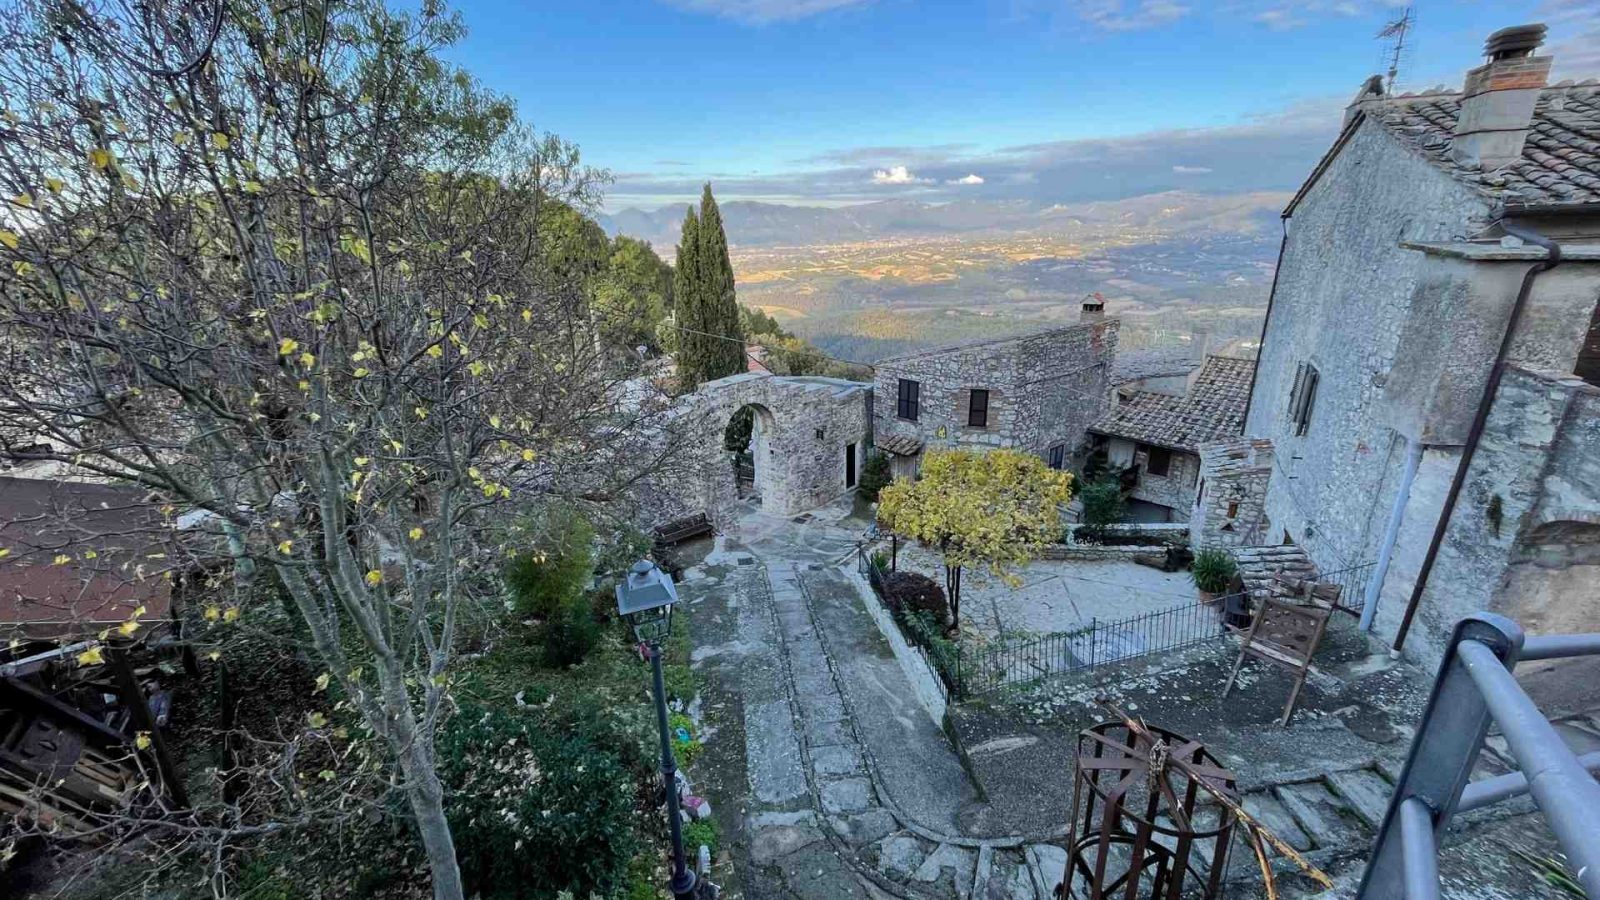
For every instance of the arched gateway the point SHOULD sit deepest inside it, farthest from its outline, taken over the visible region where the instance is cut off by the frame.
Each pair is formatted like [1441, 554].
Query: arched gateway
[807, 442]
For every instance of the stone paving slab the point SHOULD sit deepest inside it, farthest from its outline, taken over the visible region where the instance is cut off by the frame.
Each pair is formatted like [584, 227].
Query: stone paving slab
[1266, 809]
[846, 795]
[1319, 813]
[1365, 791]
[773, 750]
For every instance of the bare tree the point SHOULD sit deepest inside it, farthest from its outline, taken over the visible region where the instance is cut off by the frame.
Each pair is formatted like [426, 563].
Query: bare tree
[281, 264]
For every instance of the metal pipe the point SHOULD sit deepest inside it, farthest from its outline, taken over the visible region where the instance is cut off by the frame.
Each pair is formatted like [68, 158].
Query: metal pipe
[1421, 851]
[1391, 532]
[1567, 795]
[683, 880]
[1512, 784]
[1485, 404]
[1261, 345]
[1560, 646]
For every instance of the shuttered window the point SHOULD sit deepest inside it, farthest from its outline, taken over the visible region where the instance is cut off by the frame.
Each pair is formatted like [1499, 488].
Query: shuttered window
[1303, 397]
[978, 408]
[908, 402]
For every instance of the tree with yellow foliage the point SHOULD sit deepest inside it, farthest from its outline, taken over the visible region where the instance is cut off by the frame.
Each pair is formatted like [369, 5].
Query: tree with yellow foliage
[996, 509]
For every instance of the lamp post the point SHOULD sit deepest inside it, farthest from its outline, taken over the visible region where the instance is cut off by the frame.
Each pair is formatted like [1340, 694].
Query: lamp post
[645, 600]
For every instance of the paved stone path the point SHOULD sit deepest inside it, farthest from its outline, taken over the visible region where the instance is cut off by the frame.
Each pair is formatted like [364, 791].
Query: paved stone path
[849, 789]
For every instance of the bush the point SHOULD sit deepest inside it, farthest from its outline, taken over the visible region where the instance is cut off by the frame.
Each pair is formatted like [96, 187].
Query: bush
[1213, 570]
[910, 592]
[704, 832]
[1103, 504]
[534, 812]
[544, 581]
[570, 634]
[874, 476]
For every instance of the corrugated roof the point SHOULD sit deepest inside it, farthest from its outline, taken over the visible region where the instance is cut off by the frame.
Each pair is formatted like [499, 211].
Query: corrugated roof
[1212, 410]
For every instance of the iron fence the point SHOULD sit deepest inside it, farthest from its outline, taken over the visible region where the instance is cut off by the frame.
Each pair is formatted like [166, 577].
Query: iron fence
[1352, 582]
[967, 669]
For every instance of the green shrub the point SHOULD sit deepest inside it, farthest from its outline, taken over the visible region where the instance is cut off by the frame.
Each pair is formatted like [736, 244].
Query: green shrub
[544, 580]
[704, 832]
[685, 749]
[534, 812]
[1213, 570]
[1103, 504]
[874, 476]
[912, 592]
[570, 634]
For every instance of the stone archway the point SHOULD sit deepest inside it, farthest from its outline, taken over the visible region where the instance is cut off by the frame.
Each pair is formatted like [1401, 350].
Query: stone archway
[756, 454]
[804, 428]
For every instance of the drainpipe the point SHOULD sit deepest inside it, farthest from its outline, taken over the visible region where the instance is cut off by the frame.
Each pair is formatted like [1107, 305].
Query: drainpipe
[1261, 345]
[1475, 434]
[1369, 602]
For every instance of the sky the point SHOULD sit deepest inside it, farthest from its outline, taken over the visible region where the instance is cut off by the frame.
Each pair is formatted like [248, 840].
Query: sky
[828, 102]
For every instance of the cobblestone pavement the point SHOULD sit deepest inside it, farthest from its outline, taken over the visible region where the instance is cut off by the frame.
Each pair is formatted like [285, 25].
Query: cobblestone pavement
[831, 780]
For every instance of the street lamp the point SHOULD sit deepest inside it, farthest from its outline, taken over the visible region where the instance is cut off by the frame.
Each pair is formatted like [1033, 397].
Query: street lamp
[645, 600]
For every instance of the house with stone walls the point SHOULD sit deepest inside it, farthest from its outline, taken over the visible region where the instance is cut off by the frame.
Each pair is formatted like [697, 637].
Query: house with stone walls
[1152, 438]
[1039, 393]
[1427, 395]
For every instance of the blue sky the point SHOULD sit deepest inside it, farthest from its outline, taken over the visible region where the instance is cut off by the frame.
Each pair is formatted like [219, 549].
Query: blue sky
[836, 101]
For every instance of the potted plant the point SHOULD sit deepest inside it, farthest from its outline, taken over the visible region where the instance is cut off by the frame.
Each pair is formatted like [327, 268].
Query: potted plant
[1213, 570]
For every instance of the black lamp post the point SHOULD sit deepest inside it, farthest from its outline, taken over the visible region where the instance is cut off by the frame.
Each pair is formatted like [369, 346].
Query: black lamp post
[645, 601]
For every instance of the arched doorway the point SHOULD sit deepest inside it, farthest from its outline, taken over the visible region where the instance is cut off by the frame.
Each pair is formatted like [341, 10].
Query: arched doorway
[747, 440]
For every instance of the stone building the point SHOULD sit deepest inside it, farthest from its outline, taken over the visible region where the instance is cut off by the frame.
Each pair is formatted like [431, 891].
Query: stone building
[1037, 393]
[1431, 399]
[1152, 438]
[1231, 500]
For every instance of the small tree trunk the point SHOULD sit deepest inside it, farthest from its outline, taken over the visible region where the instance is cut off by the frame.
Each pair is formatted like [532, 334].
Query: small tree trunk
[952, 591]
[427, 804]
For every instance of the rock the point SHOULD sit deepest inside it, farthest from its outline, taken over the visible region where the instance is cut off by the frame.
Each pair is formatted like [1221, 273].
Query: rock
[865, 827]
[1319, 813]
[846, 795]
[958, 860]
[778, 841]
[899, 856]
[1049, 866]
[838, 760]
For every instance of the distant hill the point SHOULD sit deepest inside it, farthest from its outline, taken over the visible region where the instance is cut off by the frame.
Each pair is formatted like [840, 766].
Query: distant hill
[751, 223]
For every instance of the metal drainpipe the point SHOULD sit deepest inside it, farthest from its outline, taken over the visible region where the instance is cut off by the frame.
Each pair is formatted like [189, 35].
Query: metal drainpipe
[1369, 603]
[1475, 434]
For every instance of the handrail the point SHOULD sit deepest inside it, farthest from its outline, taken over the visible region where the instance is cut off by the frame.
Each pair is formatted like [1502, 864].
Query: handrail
[1475, 687]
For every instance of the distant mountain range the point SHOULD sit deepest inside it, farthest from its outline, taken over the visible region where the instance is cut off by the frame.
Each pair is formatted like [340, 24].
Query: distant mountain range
[751, 223]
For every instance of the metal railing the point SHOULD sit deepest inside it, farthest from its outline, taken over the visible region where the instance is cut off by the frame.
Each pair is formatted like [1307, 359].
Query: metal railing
[1475, 687]
[969, 670]
[1352, 582]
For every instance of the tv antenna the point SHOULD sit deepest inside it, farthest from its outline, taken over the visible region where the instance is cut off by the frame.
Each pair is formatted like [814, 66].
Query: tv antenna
[1394, 37]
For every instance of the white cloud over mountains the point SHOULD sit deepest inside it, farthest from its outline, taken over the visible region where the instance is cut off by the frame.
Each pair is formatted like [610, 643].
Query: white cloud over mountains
[1192, 170]
[897, 175]
[969, 179]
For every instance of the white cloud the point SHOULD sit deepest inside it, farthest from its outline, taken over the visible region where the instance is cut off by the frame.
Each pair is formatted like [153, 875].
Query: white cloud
[759, 11]
[1191, 170]
[1114, 15]
[897, 175]
[970, 179]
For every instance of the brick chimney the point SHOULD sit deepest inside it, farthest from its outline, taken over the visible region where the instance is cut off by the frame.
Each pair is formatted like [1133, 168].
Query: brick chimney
[1093, 309]
[1498, 98]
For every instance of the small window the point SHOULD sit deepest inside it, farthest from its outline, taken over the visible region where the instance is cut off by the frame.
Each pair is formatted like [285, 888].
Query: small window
[1233, 510]
[1158, 462]
[1058, 457]
[978, 408]
[909, 400]
[822, 433]
[1303, 397]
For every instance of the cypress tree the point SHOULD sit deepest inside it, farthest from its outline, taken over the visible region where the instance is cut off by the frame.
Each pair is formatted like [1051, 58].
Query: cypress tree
[725, 354]
[689, 312]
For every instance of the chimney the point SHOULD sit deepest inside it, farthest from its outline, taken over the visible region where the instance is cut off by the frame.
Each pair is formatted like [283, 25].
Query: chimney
[1498, 98]
[1093, 309]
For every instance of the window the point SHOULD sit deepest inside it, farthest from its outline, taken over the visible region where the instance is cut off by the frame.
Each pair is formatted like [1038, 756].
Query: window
[1303, 397]
[1058, 457]
[822, 434]
[1233, 510]
[909, 400]
[978, 408]
[1158, 462]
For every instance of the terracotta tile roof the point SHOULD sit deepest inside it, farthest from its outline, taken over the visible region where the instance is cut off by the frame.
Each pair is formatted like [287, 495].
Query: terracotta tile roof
[1212, 410]
[1560, 162]
[900, 444]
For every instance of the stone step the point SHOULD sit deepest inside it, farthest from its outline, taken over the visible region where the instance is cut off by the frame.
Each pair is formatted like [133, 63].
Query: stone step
[1326, 820]
[1365, 791]
[1274, 816]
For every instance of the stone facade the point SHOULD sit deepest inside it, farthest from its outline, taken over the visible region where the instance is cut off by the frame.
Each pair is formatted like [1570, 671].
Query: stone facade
[1400, 320]
[1044, 390]
[805, 427]
[1230, 507]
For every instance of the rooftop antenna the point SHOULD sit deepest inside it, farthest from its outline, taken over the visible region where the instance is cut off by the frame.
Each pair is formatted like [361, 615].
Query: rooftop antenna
[1394, 37]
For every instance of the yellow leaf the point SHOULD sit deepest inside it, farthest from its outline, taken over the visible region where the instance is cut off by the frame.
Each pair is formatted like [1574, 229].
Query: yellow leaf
[213, 656]
[212, 614]
[90, 554]
[22, 267]
[286, 547]
[61, 559]
[128, 628]
[288, 346]
[528, 455]
[180, 137]
[24, 200]
[232, 615]
[326, 775]
[363, 460]
[91, 657]
[252, 187]
[361, 372]
[55, 185]
[396, 446]
[99, 158]
[142, 740]
[323, 679]
[527, 315]
[494, 421]
[436, 351]
[416, 534]
[374, 578]
[219, 140]
[5, 552]
[317, 720]
[9, 238]
[307, 360]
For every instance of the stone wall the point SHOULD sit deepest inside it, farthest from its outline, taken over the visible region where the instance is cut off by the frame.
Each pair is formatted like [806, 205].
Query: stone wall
[1174, 490]
[1044, 389]
[1344, 291]
[804, 426]
[1231, 508]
